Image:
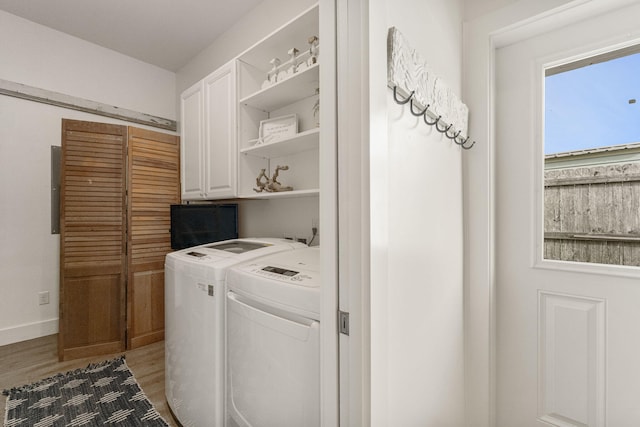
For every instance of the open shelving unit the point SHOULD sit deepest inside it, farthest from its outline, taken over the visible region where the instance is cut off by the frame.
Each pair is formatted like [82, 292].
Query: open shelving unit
[303, 141]
[284, 92]
[294, 93]
[285, 194]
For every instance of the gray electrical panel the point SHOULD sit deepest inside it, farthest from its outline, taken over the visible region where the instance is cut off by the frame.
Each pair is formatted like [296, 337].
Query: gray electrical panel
[56, 159]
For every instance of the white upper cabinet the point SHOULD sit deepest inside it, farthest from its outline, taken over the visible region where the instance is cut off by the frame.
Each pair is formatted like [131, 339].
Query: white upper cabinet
[191, 142]
[208, 137]
[220, 135]
[283, 98]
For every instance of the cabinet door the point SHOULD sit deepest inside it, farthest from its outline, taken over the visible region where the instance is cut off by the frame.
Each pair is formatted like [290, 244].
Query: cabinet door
[220, 133]
[191, 146]
[92, 239]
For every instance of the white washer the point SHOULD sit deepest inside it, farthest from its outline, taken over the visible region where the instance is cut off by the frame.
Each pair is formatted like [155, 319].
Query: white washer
[273, 341]
[194, 324]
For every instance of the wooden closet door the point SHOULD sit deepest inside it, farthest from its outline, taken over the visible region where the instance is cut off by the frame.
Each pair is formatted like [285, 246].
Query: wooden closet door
[154, 184]
[92, 239]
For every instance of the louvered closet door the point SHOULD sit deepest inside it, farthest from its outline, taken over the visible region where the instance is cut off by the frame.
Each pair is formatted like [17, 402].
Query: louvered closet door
[154, 184]
[92, 239]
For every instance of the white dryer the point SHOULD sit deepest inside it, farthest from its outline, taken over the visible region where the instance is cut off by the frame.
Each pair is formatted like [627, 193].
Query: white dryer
[273, 341]
[194, 324]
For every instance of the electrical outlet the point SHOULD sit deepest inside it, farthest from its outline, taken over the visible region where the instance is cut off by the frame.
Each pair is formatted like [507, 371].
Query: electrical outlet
[43, 297]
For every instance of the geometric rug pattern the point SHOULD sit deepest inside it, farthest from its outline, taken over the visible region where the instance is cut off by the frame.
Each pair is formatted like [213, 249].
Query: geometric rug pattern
[102, 394]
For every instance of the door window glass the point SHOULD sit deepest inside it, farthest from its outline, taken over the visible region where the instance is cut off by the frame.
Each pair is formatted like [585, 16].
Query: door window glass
[592, 160]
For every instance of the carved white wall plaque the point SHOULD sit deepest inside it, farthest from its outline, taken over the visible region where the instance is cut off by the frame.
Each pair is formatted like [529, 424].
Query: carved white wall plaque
[409, 72]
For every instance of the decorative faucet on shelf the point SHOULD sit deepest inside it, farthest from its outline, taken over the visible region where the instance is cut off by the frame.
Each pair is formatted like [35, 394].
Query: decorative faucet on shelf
[271, 185]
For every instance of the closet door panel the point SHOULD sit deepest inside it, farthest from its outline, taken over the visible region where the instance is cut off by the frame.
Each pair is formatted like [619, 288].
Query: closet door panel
[92, 242]
[154, 185]
[148, 307]
[94, 299]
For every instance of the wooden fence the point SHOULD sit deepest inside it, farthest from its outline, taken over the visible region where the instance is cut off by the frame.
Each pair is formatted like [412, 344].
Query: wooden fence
[592, 214]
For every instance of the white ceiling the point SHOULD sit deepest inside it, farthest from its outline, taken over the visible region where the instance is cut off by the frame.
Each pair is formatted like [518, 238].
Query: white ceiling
[166, 33]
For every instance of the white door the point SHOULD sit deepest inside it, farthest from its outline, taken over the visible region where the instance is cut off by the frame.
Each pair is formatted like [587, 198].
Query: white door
[568, 335]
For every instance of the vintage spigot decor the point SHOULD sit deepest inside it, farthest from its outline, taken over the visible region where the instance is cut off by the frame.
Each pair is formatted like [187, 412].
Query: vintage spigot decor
[271, 185]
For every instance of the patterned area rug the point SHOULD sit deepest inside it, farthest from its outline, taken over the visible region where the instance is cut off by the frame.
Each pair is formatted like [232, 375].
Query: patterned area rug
[101, 394]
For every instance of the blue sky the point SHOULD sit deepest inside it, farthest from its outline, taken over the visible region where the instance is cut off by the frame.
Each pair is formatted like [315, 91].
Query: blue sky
[589, 107]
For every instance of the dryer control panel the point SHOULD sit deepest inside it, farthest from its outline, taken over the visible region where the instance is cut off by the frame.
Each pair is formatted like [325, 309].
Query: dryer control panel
[278, 270]
[294, 277]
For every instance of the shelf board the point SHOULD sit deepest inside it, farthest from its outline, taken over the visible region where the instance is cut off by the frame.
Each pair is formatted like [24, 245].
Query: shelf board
[285, 92]
[304, 141]
[282, 195]
[292, 34]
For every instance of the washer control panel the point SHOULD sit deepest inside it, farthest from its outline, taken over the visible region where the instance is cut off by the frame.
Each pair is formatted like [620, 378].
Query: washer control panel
[198, 255]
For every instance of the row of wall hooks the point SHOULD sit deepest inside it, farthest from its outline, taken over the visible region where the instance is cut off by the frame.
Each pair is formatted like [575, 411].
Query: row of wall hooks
[436, 121]
[426, 94]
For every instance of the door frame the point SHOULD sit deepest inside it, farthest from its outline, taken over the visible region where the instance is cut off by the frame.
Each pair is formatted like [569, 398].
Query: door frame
[328, 233]
[483, 36]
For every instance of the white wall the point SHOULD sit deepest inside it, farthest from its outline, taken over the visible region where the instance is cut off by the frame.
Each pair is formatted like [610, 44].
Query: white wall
[417, 304]
[475, 8]
[44, 58]
[39, 56]
[275, 218]
[278, 218]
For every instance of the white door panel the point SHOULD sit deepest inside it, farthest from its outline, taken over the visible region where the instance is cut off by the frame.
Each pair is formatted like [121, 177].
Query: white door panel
[568, 342]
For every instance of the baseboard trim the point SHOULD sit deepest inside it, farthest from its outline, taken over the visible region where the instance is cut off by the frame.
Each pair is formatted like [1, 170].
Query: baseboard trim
[28, 331]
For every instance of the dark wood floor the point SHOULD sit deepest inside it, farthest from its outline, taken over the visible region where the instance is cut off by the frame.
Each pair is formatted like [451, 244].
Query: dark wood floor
[29, 361]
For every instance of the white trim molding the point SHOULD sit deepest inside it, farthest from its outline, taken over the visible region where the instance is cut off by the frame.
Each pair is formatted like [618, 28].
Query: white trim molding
[28, 331]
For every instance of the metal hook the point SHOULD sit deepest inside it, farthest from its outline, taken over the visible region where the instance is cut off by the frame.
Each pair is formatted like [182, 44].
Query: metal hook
[469, 147]
[431, 123]
[452, 137]
[460, 142]
[443, 130]
[402, 101]
[417, 114]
